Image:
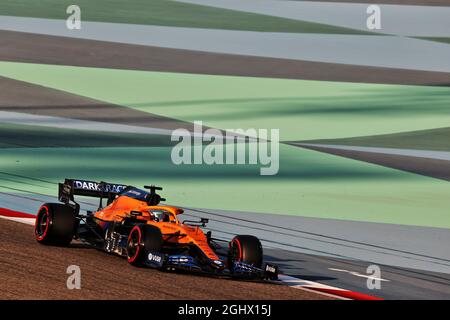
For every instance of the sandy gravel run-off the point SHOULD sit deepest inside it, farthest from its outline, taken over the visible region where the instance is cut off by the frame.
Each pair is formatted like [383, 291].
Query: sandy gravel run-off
[29, 270]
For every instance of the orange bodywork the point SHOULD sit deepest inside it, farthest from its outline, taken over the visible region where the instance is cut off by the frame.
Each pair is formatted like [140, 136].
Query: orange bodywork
[173, 231]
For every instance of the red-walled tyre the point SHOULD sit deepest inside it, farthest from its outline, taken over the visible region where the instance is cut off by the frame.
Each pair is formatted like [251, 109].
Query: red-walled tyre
[55, 224]
[142, 239]
[246, 249]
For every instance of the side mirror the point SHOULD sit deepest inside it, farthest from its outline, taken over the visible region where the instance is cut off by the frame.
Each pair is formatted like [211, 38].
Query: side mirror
[202, 222]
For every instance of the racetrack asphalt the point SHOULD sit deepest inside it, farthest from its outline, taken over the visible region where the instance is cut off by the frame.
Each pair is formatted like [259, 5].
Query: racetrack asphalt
[22, 97]
[423, 164]
[398, 2]
[29, 270]
[429, 154]
[372, 50]
[38, 48]
[404, 20]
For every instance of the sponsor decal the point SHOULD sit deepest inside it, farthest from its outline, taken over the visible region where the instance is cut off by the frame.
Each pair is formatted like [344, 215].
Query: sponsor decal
[86, 185]
[180, 259]
[154, 257]
[170, 227]
[134, 192]
[114, 188]
[94, 186]
[271, 269]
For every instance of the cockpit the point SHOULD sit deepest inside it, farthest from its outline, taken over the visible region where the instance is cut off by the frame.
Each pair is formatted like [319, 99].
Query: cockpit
[152, 199]
[162, 216]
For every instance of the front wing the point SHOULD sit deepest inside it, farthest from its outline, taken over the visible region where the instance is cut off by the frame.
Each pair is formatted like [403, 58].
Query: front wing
[187, 263]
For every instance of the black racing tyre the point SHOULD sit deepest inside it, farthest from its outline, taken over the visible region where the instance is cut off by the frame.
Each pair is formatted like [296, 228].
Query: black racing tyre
[55, 224]
[142, 239]
[246, 249]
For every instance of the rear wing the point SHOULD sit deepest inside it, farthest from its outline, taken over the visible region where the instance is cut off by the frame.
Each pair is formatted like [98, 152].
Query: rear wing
[72, 187]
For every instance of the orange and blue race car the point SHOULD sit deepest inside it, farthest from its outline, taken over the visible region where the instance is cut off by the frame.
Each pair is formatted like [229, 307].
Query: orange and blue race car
[134, 224]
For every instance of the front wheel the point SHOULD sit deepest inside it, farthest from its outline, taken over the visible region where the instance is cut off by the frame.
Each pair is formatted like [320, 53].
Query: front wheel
[246, 249]
[142, 240]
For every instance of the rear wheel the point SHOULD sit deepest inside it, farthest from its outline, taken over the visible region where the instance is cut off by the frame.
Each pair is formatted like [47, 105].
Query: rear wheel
[246, 249]
[55, 224]
[143, 239]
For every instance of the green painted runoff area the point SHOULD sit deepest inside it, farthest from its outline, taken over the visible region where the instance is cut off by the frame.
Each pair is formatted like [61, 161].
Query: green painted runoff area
[301, 109]
[309, 183]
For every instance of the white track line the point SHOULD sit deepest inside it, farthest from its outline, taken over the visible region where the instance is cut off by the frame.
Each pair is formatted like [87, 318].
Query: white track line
[309, 286]
[29, 221]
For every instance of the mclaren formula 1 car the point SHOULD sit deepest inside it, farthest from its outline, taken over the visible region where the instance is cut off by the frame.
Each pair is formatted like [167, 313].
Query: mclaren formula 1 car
[134, 225]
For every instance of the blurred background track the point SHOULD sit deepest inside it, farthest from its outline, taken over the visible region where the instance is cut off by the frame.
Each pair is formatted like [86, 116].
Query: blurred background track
[35, 48]
[74, 105]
